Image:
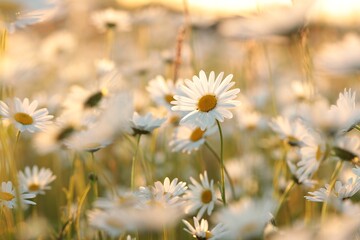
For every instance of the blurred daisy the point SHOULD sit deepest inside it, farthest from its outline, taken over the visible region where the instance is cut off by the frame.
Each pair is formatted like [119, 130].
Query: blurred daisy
[341, 191]
[162, 91]
[111, 19]
[189, 138]
[246, 219]
[104, 66]
[344, 114]
[201, 230]
[36, 181]
[25, 116]
[167, 194]
[19, 13]
[145, 124]
[290, 131]
[300, 178]
[53, 137]
[201, 196]
[347, 148]
[205, 100]
[8, 196]
[107, 221]
[312, 154]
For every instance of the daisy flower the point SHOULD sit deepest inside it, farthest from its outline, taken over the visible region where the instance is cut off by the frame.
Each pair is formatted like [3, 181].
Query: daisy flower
[36, 181]
[162, 91]
[19, 13]
[347, 148]
[206, 100]
[312, 154]
[201, 196]
[290, 131]
[201, 230]
[341, 191]
[246, 219]
[8, 196]
[189, 138]
[145, 124]
[24, 115]
[111, 19]
[345, 115]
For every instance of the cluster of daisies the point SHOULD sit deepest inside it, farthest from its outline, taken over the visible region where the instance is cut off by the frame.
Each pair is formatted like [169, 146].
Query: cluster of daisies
[302, 152]
[31, 182]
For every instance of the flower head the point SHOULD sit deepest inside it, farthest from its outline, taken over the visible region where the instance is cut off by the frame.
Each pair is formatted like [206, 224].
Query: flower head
[145, 124]
[206, 100]
[36, 181]
[8, 196]
[25, 116]
[201, 196]
[189, 138]
[111, 19]
[201, 230]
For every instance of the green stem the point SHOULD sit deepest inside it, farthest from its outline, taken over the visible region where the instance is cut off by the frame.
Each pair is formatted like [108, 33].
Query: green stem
[284, 196]
[19, 211]
[226, 171]
[222, 166]
[94, 182]
[334, 175]
[133, 162]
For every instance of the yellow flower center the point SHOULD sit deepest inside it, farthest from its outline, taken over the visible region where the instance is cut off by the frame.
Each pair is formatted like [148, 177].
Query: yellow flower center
[23, 118]
[34, 187]
[196, 135]
[208, 235]
[5, 196]
[206, 196]
[207, 103]
[169, 98]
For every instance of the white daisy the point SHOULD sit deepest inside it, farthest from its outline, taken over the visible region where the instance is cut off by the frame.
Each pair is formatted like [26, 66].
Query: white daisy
[299, 176]
[341, 191]
[167, 194]
[189, 138]
[111, 19]
[201, 196]
[24, 115]
[290, 131]
[201, 230]
[8, 196]
[345, 115]
[246, 219]
[145, 124]
[312, 154]
[347, 148]
[162, 91]
[36, 181]
[206, 100]
[53, 137]
[19, 13]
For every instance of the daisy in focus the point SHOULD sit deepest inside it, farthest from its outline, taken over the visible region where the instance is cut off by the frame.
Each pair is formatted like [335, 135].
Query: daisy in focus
[201, 230]
[24, 115]
[36, 181]
[201, 196]
[8, 196]
[189, 138]
[206, 100]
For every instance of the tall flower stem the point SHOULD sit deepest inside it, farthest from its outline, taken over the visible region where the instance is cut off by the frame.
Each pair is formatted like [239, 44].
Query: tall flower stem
[3, 41]
[222, 166]
[13, 167]
[226, 171]
[283, 197]
[133, 162]
[334, 176]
